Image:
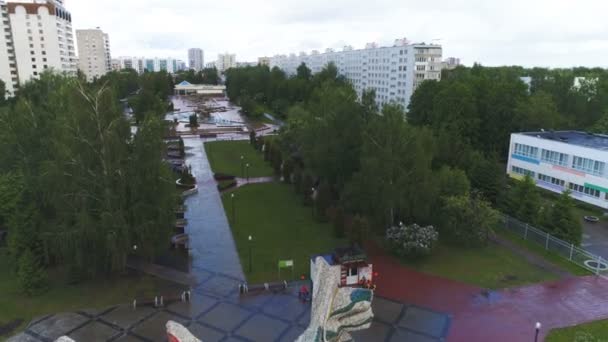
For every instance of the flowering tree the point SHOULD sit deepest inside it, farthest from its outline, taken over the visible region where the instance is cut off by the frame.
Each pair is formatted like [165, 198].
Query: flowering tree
[412, 240]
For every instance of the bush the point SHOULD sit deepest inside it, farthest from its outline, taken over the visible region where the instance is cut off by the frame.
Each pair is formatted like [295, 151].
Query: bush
[193, 120]
[357, 228]
[252, 138]
[468, 220]
[412, 240]
[225, 185]
[186, 177]
[223, 177]
[31, 276]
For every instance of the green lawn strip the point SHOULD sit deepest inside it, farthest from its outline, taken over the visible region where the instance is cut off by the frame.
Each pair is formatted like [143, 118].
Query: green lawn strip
[225, 157]
[592, 332]
[281, 227]
[491, 267]
[548, 255]
[61, 297]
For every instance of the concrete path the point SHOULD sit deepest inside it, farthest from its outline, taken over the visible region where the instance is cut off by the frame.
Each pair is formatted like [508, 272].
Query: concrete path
[499, 316]
[531, 257]
[211, 241]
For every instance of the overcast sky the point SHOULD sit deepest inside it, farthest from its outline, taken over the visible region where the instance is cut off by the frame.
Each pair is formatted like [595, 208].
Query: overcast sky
[554, 33]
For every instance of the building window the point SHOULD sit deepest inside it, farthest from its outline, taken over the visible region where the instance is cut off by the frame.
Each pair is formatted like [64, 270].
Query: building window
[590, 166]
[526, 151]
[552, 180]
[32, 52]
[523, 172]
[553, 157]
[584, 190]
[34, 59]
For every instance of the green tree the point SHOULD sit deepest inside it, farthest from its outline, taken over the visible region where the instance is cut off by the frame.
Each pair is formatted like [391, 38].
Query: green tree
[562, 222]
[524, 201]
[468, 220]
[31, 276]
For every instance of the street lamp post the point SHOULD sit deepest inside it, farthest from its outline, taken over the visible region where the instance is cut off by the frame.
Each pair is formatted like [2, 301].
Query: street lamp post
[247, 169]
[242, 166]
[538, 326]
[312, 201]
[233, 210]
[250, 245]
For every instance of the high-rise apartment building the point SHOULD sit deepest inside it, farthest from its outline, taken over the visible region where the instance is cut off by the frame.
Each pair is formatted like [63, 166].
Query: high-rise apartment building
[393, 72]
[94, 53]
[264, 61]
[196, 59]
[225, 61]
[37, 36]
[141, 64]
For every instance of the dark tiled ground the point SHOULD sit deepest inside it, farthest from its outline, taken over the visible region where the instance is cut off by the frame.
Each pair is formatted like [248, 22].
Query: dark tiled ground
[220, 314]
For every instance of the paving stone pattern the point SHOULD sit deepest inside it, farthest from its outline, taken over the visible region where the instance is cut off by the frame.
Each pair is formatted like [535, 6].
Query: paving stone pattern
[223, 315]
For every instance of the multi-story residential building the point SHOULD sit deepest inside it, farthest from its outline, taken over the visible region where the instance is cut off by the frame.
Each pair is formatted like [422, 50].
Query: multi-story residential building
[94, 53]
[196, 59]
[37, 36]
[564, 160]
[451, 63]
[225, 61]
[141, 64]
[393, 72]
[211, 65]
[264, 61]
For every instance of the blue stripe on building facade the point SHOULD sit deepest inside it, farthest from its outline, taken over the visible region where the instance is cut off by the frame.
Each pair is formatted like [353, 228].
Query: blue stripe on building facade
[526, 159]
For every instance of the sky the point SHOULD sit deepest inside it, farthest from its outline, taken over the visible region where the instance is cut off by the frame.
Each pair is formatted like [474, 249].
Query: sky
[548, 33]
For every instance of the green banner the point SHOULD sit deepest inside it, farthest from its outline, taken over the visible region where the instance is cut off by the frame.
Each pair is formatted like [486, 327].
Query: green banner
[285, 263]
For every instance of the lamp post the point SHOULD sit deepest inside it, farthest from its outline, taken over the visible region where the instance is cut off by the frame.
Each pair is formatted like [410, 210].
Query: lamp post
[312, 201]
[233, 210]
[247, 169]
[242, 166]
[250, 245]
[538, 326]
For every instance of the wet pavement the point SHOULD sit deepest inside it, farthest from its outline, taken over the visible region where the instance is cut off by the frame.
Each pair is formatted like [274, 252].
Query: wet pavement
[505, 315]
[211, 242]
[595, 237]
[218, 313]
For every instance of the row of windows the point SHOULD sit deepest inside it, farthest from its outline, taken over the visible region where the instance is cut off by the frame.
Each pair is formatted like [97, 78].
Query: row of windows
[522, 171]
[556, 181]
[584, 190]
[552, 180]
[586, 165]
[554, 157]
[526, 150]
[590, 166]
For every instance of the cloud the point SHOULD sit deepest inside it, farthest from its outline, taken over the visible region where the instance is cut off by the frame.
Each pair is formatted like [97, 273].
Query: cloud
[493, 32]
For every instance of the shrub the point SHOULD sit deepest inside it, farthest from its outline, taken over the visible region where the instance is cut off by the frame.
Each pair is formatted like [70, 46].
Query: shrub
[186, 177]
[468, 220]
[31, 276]
[223, 176]
[412, 240]
[252, 138]
[357, 228]
[193, 120]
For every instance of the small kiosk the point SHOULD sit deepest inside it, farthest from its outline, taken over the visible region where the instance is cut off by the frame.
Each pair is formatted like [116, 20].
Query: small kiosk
[352, 262]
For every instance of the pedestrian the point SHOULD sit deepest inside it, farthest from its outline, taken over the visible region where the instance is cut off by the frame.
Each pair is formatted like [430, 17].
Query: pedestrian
[303, 295]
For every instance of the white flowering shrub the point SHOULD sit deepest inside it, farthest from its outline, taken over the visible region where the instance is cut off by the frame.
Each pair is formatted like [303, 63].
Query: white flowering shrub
[412, 240]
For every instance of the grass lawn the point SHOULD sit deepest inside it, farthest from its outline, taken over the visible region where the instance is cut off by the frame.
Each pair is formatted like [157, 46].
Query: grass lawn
[282, 228]
[61, 297]
[548, 255]
[225, 157]
[491, 267]
[590, 332]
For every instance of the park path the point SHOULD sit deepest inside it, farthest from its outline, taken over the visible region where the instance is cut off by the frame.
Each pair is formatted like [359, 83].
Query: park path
[504, 315]
[211, 242]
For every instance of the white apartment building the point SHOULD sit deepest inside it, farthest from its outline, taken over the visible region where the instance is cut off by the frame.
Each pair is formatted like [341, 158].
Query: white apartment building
[393, 71]
[196, 59]
[37, 36]
[141, 64]
[225, 61]
[563, 160]
[93, 53]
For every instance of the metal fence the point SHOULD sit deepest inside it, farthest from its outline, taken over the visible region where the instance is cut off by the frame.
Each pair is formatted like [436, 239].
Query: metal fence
[569, 251]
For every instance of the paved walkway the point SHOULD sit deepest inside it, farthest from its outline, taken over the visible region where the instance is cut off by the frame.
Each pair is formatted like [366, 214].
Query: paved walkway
[211, 242]
[505, 315]
[531, 257]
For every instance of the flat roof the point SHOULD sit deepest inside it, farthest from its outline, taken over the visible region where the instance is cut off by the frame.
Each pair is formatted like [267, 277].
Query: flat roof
[584, 139]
